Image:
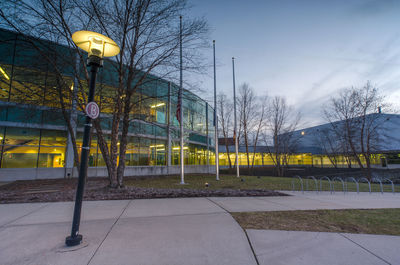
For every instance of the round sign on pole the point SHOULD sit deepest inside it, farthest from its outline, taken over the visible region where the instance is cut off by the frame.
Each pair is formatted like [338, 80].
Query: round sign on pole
[92, 110]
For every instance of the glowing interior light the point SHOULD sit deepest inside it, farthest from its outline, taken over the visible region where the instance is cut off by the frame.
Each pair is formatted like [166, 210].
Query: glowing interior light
[303, 133]
[178, 148]
[155, 146]
[72, 87]
[4, 73]
[158, 105]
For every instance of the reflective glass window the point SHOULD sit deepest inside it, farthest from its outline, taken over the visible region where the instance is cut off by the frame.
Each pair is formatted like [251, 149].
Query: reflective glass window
[158, 153]
[51, 156]
[144, 152]
[5, 81]
[20, 148]
[92, 162]
[53, 117]
[28, 86]
[132, 152]
[24, 114]
[58, 88]
[20, 156]
[22, 136]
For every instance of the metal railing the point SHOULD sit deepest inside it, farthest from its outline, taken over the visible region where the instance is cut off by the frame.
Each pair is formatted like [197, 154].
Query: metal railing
[315, 181]
[345, 183]
[301, 183]
[391, 182]
[320, 183]
[341, 180]
[366, 180]
[355, 181]
[378, 180]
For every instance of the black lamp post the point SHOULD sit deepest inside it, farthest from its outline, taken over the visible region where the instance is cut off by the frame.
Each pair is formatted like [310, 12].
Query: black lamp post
[98, 46]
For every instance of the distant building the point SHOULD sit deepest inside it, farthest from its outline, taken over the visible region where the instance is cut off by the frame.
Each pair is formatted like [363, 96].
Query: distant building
[226, 141]
[310, 151]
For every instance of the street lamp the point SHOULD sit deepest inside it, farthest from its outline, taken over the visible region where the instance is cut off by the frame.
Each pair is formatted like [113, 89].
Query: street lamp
[97, 46]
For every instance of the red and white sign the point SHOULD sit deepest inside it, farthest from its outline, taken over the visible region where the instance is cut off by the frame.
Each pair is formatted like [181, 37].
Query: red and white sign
[92, 110]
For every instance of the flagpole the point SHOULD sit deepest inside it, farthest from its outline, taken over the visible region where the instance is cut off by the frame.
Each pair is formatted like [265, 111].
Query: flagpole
[216, 119]
[235, 123]
[181, 101]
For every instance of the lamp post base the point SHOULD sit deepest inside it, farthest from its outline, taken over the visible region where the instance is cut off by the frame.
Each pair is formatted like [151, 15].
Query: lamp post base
[73, 241]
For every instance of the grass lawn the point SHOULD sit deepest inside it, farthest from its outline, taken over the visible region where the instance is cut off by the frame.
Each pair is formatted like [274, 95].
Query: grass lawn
[250, 182]
[377, 221]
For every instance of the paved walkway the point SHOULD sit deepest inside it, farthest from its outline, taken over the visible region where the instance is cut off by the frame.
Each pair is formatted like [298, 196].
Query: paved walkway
[306, 248]
[187, 231]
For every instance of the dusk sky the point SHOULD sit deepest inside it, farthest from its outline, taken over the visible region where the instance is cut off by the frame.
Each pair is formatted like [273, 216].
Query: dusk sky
[305, 50]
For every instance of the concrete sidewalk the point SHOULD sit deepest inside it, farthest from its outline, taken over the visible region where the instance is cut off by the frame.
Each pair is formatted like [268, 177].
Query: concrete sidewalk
[176, 231]
[159, 231]
[305, 248]
[310, 201]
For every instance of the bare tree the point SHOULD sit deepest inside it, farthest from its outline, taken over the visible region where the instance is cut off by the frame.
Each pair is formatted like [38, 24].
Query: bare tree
[259, 126]
[147, 33]
[280, 126]
[225, 109]
[248, 115]
[353, 116]
[330, 144]
[252, 111]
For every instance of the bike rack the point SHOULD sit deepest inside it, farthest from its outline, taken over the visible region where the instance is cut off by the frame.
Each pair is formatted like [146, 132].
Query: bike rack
[344, 182]
[369, 183]
[391, 182]
[315, 181]
[355, 181]
[330, 183]
[341, 180]
[301, 183]
[380, 183]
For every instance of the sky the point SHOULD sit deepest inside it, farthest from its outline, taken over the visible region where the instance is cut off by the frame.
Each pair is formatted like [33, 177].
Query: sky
[304, 50]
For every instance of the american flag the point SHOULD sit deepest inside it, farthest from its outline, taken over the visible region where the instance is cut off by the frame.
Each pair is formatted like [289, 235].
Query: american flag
[178, 107]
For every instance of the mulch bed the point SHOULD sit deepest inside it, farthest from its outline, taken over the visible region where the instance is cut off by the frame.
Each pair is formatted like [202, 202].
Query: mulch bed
[97, 189]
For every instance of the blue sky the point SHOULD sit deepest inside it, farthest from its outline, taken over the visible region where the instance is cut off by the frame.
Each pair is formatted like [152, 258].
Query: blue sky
[305, 50]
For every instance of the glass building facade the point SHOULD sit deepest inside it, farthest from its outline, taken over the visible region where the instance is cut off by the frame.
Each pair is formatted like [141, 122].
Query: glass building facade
[33, 131]
[299, 159]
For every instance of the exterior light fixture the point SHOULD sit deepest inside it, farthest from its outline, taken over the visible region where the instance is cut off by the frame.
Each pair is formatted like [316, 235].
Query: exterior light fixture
[97, 46]
[303, 133]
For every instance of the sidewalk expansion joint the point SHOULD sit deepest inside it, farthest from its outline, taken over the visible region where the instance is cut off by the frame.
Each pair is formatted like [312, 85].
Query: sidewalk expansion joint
[16, 219]
[244, 231]
[251, 246]
[364, 248]
[172, 215]
[111, 228]
[217, 204]
[277, 203]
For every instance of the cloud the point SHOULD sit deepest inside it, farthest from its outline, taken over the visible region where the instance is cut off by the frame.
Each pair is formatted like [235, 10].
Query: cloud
[376, 7]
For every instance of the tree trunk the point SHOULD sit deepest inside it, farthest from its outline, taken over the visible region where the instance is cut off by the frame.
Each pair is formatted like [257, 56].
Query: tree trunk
[105, 152]
[124, 140]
